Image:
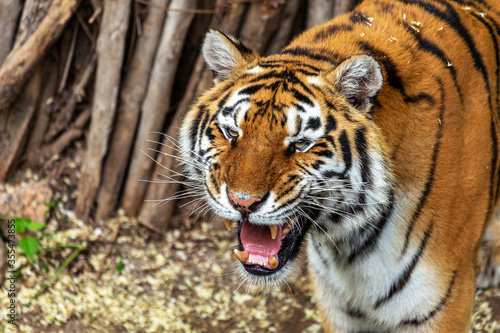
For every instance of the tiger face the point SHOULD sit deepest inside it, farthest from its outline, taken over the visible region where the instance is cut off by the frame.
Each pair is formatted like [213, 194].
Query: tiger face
[282, 149]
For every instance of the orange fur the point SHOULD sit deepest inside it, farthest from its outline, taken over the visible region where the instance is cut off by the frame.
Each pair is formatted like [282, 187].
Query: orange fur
[435, 119]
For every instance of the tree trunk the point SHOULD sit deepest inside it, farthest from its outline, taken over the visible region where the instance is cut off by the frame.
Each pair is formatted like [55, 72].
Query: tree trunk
[110, 51]
[26, 54]
[156, 103]
[131, 97]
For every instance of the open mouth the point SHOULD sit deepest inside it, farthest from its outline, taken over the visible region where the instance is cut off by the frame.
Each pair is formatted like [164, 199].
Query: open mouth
[264, 250]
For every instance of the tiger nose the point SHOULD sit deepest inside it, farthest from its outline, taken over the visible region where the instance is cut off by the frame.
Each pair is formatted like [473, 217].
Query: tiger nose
[244, 203]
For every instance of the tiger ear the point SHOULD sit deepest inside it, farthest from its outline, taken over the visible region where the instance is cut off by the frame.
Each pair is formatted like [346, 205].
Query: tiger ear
[359, 80]
[223, 54]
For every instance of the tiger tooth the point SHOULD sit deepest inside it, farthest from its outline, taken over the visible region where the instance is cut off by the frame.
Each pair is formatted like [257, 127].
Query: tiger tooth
[241, 255]
[228, 225]
[273, 262]
[285, 231]
[274, 230]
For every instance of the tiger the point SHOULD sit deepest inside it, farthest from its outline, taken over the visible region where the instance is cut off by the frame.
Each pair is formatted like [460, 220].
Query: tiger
[369, 144]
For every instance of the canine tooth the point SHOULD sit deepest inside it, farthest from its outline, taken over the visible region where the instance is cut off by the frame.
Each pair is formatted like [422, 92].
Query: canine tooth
[274, 230]
[285, 231]
[273, 262]
[241, 255]
[228, 225]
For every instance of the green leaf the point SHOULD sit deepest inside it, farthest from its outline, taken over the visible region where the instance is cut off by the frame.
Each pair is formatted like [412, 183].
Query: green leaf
[29, 245]
[21, 224]
[119, 266]
[35, 225]
[50, 206]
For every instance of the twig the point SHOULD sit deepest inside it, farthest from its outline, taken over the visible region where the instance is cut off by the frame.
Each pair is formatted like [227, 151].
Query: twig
[76, 96]
[108, 252]
[79, 249]
[85, 27]
[97, 12]
[154, 268]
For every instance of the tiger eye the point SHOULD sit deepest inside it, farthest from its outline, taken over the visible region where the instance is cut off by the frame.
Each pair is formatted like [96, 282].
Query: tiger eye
[300, 144]
[232, 134]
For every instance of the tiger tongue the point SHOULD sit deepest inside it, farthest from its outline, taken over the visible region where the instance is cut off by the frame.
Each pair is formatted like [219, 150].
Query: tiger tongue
[258, 242]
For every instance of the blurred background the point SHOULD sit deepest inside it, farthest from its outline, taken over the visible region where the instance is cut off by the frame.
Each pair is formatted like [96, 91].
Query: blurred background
[88, 90]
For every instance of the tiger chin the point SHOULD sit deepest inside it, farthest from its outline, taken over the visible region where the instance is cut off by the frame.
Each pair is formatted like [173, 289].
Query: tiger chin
[371, 142]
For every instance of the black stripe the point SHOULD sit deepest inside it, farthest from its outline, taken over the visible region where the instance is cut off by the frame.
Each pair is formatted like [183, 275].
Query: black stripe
[432, 170]
[404, 277]
[346, 151]
[193, 130]
[354, 313]
[251, 89]
[275, 63]
[330, 30]
[291, 187]
[223, 100]
[393, 78]
[302, 98]
[433, 49]
[316, 54]
[361, 147]
[313, 123]
[472, 3]
[370, 242]
[282, 78]
[493, 197]
[419, 98]
[209, 134]
[439, 306]
[245, 51]
[332, 174]
[323, 153]
[452, 18]
[316, 165]
[203, 125]
[331, 124]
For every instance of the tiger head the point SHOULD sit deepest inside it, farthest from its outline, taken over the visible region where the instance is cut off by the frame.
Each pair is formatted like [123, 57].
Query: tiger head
[283, 148]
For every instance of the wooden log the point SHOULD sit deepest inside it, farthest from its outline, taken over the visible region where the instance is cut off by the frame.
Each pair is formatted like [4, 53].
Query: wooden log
[34, 11]
[22, 59]
[110, 52]
[37, 134]
[230, 24]
[131, 97]
[14, 124]
[157, 216]
[343, 6]
[287, 22]
[9, 15]
[320, 11]
[157, 101]
[153, 215]
[260, 24]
